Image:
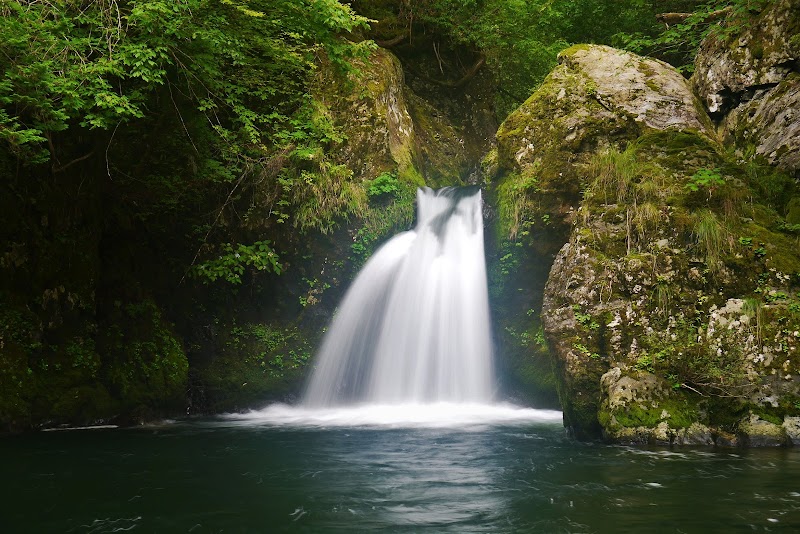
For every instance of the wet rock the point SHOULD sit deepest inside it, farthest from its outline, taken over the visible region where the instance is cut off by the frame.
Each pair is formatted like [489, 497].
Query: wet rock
[761, 433]
[791, 426]
[696, 434]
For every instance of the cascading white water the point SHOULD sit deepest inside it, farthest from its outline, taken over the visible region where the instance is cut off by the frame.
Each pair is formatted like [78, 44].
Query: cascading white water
[410, 345]
[414, 326]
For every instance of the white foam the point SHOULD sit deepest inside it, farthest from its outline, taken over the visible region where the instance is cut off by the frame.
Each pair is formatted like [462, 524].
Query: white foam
[434, 415]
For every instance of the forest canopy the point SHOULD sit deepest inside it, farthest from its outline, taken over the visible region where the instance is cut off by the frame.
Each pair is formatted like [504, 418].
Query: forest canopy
[98, 64]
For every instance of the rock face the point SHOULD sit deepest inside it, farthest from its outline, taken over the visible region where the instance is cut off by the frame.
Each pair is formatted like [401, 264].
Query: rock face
[596, 98]
[671, 310]
[389, 126]
[372, 109]
[750, 82]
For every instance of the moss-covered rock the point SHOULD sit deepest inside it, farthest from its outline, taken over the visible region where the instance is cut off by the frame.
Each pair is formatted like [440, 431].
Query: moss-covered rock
[666, 296]
[654, 280]
[597, 98]
[761, 433]
[129, 367]
[760, 55]
[255, 364]
[371, 109]
[768, 126]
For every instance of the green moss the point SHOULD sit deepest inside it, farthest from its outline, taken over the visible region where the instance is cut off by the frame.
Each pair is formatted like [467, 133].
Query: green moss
[146, 367]
[793, 211]
[58, 382]
[581, 417]
[20, 334]
[768, 414]
[574, 49]
[411, 175]
[527, 358]
[516, 202]
[771, 186]
[677, 412]
[382, 220]
[256, 362]
[652, 85]
[440, 151]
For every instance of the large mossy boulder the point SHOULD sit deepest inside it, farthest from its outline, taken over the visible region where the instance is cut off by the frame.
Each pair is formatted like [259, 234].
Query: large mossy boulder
[749, 81]
[388, 127]
[371, 109]
[671, 310]
[597, 98]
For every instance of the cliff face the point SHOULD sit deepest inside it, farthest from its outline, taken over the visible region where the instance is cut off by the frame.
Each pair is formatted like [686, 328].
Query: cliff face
[672, 309]
[259, 346]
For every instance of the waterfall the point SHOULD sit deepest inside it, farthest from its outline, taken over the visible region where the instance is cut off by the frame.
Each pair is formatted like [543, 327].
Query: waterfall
[414, 325]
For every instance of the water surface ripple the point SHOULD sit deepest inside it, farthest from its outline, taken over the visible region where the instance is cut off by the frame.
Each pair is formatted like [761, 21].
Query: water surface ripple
[235, 475]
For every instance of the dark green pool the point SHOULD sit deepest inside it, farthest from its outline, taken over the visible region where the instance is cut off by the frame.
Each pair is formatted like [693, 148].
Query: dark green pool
[208, 476]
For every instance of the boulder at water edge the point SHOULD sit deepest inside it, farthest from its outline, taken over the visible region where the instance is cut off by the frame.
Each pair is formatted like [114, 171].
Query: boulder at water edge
[672, 310]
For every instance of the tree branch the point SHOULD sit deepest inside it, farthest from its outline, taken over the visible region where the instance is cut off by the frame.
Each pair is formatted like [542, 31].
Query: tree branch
[677, 18]
[393, 41]
[73, 162]
[458, 83]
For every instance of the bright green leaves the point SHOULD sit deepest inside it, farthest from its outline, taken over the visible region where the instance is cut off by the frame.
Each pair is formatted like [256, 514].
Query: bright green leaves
[384, 185]
[706, 180]
[98, 64]
[231, 264]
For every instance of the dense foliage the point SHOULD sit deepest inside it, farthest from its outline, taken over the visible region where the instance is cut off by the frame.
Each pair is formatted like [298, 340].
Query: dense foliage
[98, 64]
[233, 78]
[682, 33]
[131, 134]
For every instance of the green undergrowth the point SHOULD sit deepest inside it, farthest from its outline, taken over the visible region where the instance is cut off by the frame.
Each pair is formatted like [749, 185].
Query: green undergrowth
[390, 209]
[130, 366]
[255, 363]
[145, 365]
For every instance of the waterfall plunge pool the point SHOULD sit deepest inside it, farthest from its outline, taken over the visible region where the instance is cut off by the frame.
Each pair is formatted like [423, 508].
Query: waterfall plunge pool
[247, 474]
[396, 432]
